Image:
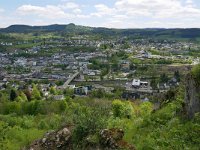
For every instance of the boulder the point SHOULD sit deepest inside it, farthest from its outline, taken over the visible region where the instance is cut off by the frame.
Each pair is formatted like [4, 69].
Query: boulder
[113, 139]
[53, 141]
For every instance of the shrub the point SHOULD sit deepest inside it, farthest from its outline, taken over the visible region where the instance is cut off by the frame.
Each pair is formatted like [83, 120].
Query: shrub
[122, 109]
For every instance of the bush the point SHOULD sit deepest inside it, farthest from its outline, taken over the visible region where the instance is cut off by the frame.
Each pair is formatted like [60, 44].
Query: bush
[122, 109]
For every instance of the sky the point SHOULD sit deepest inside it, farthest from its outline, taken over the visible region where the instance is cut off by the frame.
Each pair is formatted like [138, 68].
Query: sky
[102, 13]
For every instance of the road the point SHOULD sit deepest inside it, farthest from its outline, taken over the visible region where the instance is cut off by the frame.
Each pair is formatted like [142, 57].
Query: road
[70, 80]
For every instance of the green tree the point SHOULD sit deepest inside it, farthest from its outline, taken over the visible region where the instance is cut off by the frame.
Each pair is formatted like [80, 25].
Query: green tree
[13, 95]
[145, 108]
[154, 83]
[28, 94]
[164, 78]
[122, 109]
[36, 93]
[23, 96]
[18, 99]
[177, 75]
[53, 90]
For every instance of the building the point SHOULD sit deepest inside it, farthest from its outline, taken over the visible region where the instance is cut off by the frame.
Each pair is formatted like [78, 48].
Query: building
[137, 83]
[81, 90]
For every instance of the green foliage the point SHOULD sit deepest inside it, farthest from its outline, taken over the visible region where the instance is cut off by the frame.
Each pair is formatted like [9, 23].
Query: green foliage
[23, 96]
[196, 73]
[88, 122]
[154, 83]
[13, 95]
[21, 122]
[53, 90]
[122, 109]
[145, 109]
[18, 99]
[177, 75]
[36, 93]
[15, 137]
[68, 92]
[163, 78]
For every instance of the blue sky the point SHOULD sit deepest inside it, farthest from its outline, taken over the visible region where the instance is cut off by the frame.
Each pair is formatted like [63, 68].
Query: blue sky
[102, 13]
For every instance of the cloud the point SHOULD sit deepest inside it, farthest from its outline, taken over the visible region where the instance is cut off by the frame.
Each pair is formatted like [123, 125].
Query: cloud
[48, 11]
[103, 10]
[156, 8]
[147, 13]
[119, 14]
[1, 10]
[69, 5]
[67, 10]
[77, 11]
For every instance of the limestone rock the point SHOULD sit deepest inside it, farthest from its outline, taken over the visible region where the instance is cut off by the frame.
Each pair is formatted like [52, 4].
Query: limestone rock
[53, 141]
[113, 139]
[192, 96]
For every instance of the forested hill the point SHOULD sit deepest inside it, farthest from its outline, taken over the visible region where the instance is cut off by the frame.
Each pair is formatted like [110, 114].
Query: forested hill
[77, 29]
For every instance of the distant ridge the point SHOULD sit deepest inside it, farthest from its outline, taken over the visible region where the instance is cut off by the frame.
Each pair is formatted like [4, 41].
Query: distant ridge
[72, 28]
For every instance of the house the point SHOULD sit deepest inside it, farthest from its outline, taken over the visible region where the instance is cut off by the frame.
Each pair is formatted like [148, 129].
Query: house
[163, 87]
[81, 90]
[139, 84]
[144, 84]
[58, 97]
[173, 82]
[71, 86]
[129, 95]
[21, 62]
[91, 74]
[125, 66]
[136, 83]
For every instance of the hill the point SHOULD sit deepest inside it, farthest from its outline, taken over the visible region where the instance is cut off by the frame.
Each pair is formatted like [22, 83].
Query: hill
[77, 29]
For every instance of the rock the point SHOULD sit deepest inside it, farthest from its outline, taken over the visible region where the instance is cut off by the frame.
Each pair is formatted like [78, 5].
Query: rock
[192, 96]
[53, 140]
[113, 139]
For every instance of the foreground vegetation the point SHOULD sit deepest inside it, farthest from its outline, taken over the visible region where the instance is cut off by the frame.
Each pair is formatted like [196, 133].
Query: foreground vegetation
[146, 128]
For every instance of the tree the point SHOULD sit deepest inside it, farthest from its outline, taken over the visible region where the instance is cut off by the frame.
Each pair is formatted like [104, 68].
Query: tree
[146, 108]
[98, 93]
[23, 96]
[177, 75]
[164, 78]
[53, 90]
[68, 92]
[154, 83]
[36, 93]
[122, 109]
[18, 99]
[13, 95]
[28, 94]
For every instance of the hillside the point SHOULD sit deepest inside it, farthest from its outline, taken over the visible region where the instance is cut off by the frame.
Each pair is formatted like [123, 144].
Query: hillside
[72, 28]
[90, 123]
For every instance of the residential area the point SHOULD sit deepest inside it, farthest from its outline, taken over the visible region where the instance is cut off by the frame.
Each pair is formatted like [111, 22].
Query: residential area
[138, 67]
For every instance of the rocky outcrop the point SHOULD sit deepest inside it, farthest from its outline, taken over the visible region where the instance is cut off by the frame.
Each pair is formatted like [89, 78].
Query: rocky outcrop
[60, 140]
[113, 139]
[109, 139]
[192, 96]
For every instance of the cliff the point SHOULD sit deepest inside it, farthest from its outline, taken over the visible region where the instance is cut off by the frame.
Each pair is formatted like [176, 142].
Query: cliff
[192, 96]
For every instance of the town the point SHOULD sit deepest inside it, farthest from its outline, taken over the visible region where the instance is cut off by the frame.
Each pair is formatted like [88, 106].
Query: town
[100, 75]
[140, 68]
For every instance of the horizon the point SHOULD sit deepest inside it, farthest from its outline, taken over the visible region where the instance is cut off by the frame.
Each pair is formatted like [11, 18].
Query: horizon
[98, 27]
[118, 14]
